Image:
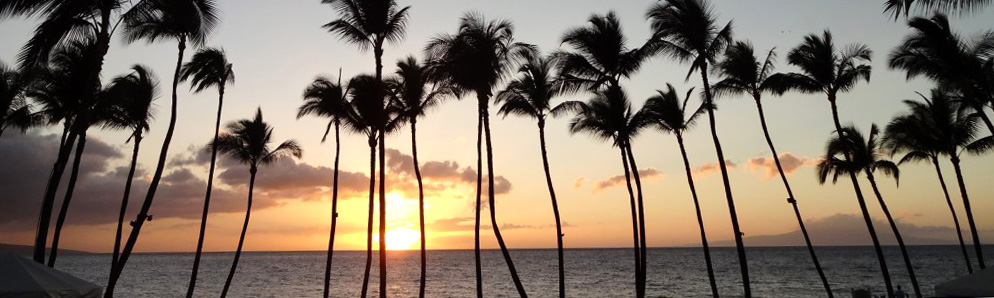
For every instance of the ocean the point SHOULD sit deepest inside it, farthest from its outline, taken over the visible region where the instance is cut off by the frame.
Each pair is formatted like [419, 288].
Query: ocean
[672, 272]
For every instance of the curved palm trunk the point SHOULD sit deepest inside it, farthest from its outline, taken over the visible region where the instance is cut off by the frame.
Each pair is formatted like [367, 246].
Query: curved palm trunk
[334, 215]
[67, 199]
[641, 213]
[369, 222]
[739, 245]
[897, 234]
[479, 194]
[421, 204]
[635, 226]
[207, 196]
[862, 205]
[383, 216]
[490, 195]
[555, 209]
[949, 202]
[153, 185]
[124, 199]
[791, 199]
[969, 211]
[700, 218]
[241, 238]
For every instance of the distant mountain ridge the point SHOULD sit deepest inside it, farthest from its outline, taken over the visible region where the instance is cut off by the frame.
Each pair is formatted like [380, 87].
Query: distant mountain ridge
[29, 250]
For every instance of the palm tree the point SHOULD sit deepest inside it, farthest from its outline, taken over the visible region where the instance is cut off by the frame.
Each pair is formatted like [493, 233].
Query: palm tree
[325, 98]
[15, 111]
[744, 74]
[601, 58]
[65, 23]
[936, 52]
[898, 7]
[247, 142]
[531, 96]
[828, 71]
[918, 135]
[368, 24]
[208, 68]
[666, 112]
[863, 154]
[412, 101]
[608, 116]
[184, 21]
[476, 59]
[131, 97]
[688, 30]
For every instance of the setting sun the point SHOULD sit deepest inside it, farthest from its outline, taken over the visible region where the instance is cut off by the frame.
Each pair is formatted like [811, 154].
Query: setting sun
[402, 239]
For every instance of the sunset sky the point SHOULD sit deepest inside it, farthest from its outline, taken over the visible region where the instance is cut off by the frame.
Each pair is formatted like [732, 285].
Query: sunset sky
[278, 47]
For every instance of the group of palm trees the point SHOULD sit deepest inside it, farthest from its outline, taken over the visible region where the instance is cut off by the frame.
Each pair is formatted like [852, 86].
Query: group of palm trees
[58, 82]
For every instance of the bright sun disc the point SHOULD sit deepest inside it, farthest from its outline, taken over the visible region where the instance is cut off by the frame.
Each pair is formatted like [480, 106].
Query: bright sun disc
[402, 239]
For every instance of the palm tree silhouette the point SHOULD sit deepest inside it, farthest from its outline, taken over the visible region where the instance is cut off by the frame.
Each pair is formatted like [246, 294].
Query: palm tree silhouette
[688, 30]
[744, 74]
[247, 142]
[15, 110]
[666, 112]
[936, 52]
[896, 8]
[608, 116]
[131, 96]
[476, 59]
[325, 98]
[65, 23]
[412, 101]
[208, 68]
[368, 24]
[183, 21]
[829, 71]
[919, 136]
[531, 96]
[863, 155]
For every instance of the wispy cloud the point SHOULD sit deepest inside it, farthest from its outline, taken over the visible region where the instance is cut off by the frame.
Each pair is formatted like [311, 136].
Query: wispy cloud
[790, 163]
[613, 181]
[712, 168]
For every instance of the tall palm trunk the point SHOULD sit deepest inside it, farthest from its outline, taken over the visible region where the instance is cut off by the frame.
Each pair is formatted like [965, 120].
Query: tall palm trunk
[897, 234]
[383, 216]
[48, 201]
[334, 215]
[969, 211]
[862, 204]
[642, 246]
[241, 237]
[67, 199]
[421, 204]
[153, 185]
[790, 197]
[700, 218]
[739, 245]
[124, 199]
[207, 196]
[369, 222]
[479, 194]
[555, 208]
[637, 249]
[949, 202]
[484, 100]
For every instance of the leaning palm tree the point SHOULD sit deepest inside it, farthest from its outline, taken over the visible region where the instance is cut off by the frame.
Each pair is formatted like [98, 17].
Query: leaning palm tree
[936, 52]
[666, 112]
[476, 59]
[15, 111]
[324, 98]
[132, 97]
[368, 24]
[919, 136]
[531, 96]
[744, 74]
[896, 8]
[688, 30]
[854, 154]
[412, 99]
[185, 21]
[208, 68]
[608, 116]
[247, 142]
[828, 71]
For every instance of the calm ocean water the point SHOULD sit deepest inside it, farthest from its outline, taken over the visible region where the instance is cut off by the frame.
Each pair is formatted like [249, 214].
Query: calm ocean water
[673, 272]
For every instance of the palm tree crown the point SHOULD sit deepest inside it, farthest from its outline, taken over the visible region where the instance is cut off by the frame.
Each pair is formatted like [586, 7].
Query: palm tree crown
[413, 92]
[743, 73]
[131, 96]
[668, 113]
[248, 141]
[826, 69]
[608, 116]
[324, 98]
[687, 30]
[153, 20]
[368, 24]
[601, 54]
[15, 110]
[476, 58]
[864, 155]
[531, 94]
[209, 68]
